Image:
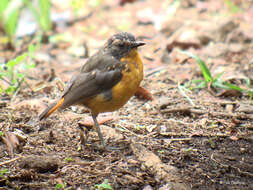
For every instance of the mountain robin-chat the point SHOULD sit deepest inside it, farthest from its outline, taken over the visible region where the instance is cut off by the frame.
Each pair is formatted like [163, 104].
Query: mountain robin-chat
[106, 81]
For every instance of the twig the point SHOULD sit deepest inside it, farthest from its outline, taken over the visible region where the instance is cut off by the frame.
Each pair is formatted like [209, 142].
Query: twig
[180, 139]
[201, 112]
[17, 89]
[165, 103]
[10, 161]
[29, 86]
[6, 80]
[182, 90]
[156, 70]
[73, 21]
[217, 102]
[117, 128]
[168, 102]
[24, 47]
[83, 138]
[175, 110]
[187, 135]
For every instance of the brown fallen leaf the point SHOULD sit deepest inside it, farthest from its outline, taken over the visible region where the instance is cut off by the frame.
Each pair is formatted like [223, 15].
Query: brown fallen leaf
[88, 121]
[59, 181]
[41, 164]
[144, 94]
[11, 142]
[234, 138]
[182, 45]
[245, 107]
[123, 2]
[230, 93]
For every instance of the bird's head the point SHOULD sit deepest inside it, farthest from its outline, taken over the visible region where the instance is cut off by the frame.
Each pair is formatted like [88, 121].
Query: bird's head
[119, 45]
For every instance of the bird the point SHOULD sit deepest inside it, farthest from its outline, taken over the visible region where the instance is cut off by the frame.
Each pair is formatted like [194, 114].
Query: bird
[107, 80]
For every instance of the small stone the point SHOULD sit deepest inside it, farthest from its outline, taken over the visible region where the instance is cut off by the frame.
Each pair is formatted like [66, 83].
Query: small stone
[41, 164]
[147, 187]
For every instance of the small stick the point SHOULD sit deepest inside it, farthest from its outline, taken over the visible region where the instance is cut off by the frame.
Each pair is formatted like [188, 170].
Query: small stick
[10, 161]
[215, 114]
[180, 139]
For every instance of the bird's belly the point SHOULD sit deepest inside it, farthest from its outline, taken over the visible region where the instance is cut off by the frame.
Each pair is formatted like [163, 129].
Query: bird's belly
[119, 94]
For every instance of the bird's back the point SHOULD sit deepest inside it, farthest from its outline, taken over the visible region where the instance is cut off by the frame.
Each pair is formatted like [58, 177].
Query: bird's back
[114, 98]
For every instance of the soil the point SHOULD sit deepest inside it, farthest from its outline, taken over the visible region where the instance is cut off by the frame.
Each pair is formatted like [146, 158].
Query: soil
[182, 139]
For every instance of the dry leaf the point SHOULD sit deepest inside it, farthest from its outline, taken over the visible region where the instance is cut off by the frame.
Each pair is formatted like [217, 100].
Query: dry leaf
[11, 142]
[230, 93]
[88, 121]
[143, 93]
[234, 138]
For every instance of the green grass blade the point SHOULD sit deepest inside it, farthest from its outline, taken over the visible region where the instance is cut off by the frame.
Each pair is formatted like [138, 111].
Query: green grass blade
[233, 87]
[10, 17]
[219, 84]
[1, 89]
[3, 5]
[218, 76]
[200, 85]
[35, 13]
[233, 8]
[247, 81]
[45, 19]
[204, 69]
[226, 85]
[41, 13]
[16, 61]
[105, 186]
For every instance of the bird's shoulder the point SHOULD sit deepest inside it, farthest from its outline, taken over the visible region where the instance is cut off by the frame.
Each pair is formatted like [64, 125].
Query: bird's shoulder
[102, 61]
[102, 71]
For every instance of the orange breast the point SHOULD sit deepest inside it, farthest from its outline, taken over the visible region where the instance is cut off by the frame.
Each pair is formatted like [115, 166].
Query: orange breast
[123, 90]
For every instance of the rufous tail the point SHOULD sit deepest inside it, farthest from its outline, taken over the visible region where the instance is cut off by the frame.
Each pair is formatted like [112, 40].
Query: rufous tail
[50, 109]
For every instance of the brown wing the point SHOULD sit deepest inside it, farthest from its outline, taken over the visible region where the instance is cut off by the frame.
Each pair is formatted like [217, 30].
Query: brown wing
[98, 75]
[100, 61]
[86, 85]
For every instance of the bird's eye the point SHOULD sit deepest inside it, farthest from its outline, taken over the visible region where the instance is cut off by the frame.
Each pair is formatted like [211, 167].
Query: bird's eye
[121, 45]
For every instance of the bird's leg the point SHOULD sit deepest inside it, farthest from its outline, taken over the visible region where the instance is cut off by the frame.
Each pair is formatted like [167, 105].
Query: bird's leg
[94, 117]
[101, 136]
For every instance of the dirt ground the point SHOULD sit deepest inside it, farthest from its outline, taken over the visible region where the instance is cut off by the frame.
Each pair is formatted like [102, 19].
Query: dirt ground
[182, 139]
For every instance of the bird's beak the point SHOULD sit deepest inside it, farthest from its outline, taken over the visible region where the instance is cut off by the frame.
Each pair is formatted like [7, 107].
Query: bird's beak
[138, 43]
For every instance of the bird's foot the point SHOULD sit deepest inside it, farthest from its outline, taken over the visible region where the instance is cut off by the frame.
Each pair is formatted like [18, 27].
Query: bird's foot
[84, 134]
[104, 146]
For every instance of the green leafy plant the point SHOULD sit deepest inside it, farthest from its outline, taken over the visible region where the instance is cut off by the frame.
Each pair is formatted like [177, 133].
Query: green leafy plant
[77, 5]
[215, 82]
[190, 149]
[9, 15]
[139, 127]
[104, 186]
[161, 151]
[60, 185]
[94, 3]
[68, 159]
[13, 73]
[10, 11]
[3, 172]
[233, 8]
[42, 13]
